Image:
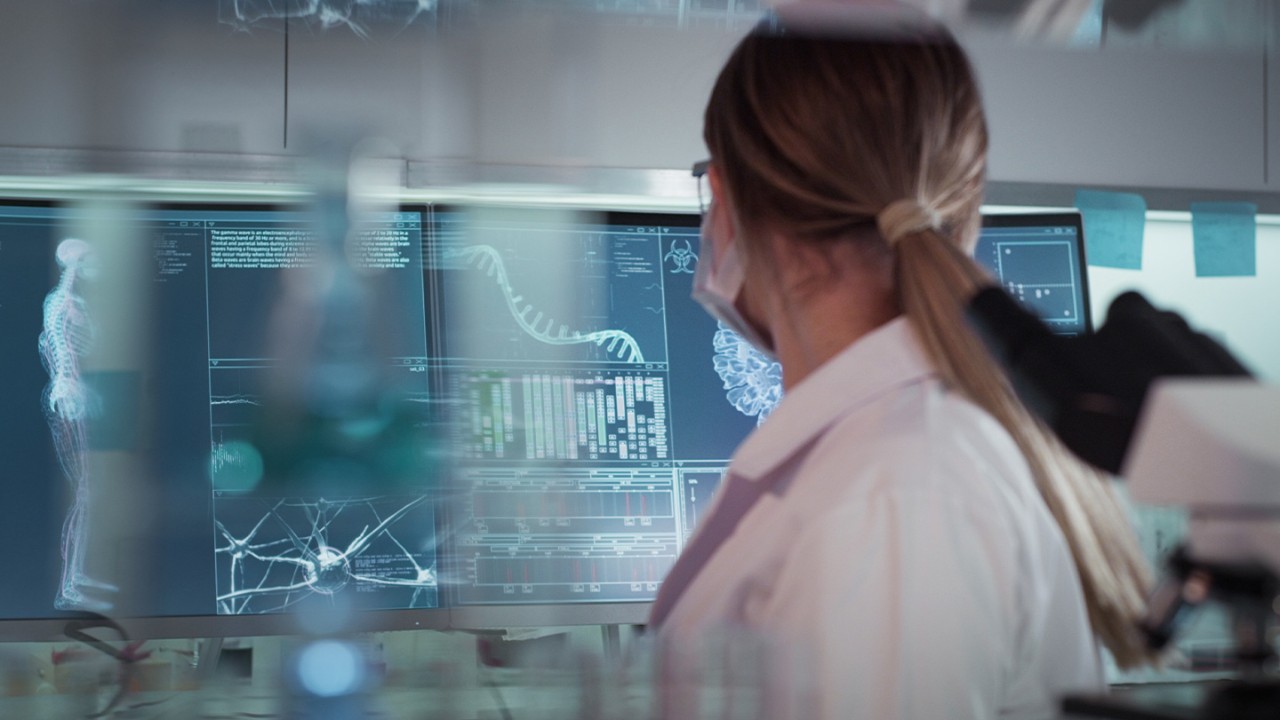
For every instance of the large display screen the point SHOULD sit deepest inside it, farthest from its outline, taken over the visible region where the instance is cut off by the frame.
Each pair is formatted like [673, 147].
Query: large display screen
[580, 405]
[595, 403]
[589, 406]
[238, 315]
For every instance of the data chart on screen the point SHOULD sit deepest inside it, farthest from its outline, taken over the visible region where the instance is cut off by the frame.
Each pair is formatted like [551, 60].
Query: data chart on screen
[1041, 265]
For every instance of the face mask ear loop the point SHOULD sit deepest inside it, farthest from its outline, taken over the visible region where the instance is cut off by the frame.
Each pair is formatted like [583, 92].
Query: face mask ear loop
[717, 283]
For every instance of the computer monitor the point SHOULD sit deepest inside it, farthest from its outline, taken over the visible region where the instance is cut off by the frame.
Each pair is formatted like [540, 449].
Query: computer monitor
[589, 409]
[31, 508]
[1039, 259]
[595, 405]
[209, 547]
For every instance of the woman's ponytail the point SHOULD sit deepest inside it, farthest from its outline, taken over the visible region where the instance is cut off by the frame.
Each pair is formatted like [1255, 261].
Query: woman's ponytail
[819, 137]
[935, 282]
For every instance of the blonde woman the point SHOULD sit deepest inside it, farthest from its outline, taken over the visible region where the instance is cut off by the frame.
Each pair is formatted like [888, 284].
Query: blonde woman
[900, 518]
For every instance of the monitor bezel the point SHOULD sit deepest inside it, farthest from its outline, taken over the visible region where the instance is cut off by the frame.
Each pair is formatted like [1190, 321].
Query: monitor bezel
[1053, 219]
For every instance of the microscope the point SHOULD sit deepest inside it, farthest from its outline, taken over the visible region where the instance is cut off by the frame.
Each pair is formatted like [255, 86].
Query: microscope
[1172, 411]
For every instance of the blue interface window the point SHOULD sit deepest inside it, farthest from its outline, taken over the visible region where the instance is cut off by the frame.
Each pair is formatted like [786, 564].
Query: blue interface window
[1042, 266]
[223, 318]
[592, 406]
[589, 416]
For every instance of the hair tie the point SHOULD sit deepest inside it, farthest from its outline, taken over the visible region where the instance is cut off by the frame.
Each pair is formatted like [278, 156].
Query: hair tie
[904, 217]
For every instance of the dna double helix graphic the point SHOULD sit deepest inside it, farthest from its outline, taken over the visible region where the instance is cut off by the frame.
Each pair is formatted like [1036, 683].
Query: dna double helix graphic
[617, 343]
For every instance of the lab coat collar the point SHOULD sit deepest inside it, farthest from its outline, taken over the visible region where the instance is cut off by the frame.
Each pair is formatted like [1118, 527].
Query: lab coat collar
[888, 357]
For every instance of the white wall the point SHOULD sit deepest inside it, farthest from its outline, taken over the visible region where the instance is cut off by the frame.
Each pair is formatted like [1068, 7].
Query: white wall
[1147, 118]
[109, 76]
[1243, 312]
[544, 90]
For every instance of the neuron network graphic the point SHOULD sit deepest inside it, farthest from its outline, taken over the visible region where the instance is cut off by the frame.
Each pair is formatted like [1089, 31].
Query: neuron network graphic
[358, 16]
[619, 344]
[273, 554]
[753, 382]
[68, 335]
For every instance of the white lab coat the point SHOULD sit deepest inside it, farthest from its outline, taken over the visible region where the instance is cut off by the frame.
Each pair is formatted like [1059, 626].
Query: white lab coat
[901, 546]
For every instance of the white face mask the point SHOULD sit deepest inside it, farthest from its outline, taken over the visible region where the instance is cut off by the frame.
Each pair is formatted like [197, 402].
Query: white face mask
[716, 286]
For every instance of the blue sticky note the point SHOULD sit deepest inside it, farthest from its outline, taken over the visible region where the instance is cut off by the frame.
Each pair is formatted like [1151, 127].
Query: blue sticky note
[1226, 238]
[1113, 227]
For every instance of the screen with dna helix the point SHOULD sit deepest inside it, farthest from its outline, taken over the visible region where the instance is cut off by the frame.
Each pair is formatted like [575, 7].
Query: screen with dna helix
[589, 408]
[585, 406]
[581, 407]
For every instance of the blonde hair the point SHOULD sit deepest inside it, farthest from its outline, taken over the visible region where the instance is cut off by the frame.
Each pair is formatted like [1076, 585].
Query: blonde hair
[816, 137]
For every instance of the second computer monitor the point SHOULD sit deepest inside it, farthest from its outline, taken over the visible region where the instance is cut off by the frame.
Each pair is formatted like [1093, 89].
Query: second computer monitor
[1039, 259]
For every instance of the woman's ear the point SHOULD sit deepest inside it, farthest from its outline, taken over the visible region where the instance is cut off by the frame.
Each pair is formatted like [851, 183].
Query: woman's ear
[721, 229]
[717, 184]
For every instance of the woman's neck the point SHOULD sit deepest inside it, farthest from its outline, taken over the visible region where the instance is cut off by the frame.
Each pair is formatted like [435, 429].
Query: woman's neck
[816, 332]
[815, 314]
